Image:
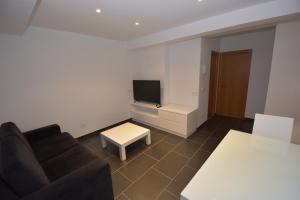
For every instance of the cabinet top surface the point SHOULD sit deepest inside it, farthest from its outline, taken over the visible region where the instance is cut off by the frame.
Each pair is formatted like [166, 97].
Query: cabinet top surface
[181, 109]
[178, 108]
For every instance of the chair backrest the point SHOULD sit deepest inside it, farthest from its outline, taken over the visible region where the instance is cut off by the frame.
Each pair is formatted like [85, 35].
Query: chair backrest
[19, 169]
[275, 127]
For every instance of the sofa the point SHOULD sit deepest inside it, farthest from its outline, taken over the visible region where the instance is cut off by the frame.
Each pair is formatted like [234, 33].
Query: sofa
[46, 164]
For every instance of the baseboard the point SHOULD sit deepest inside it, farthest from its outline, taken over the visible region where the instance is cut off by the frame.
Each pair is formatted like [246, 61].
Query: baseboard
[247, 118]
[102, 129]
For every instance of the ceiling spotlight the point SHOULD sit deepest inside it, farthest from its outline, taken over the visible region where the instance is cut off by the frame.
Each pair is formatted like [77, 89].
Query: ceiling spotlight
[200, 0]
[137, 23]
[98, 10]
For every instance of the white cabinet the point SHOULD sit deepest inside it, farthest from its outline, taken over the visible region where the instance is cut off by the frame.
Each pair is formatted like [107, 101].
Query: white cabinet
[176, 119]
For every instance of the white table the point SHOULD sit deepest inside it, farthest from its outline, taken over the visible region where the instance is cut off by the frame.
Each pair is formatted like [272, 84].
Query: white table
[248, 167]
[125, 135]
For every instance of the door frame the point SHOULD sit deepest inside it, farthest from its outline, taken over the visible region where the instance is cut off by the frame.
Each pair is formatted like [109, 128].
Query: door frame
[213, 83]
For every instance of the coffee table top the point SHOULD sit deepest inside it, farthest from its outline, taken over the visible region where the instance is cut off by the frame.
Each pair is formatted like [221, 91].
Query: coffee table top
[125, 133]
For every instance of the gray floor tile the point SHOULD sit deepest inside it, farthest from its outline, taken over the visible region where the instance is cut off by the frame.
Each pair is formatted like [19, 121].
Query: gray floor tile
[157, 136]
[211, 124]
[187, 148]
[121, 197]
[200, 136]
[173, 139]
[181, 180]
[247, 125]
[119, 183]
[142, 158]
[159, 150]
[171, 164]
[211, 144]
[148, 187]
[165, 195]
[115, 162]
[198, 159]
[134, 150]
[220, 132]
[137, 167]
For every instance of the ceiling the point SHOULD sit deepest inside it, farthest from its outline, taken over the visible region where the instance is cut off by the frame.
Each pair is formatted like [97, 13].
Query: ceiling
[117, 18]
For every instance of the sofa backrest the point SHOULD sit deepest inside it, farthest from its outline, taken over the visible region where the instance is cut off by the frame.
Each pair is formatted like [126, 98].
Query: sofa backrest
[11, 129]
[19, 168]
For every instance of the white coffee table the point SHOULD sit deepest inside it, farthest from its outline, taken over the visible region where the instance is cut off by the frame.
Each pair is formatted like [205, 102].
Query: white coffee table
[125, 135]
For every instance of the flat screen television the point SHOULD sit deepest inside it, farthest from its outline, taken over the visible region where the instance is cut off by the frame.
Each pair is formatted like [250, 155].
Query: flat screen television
[147, 91]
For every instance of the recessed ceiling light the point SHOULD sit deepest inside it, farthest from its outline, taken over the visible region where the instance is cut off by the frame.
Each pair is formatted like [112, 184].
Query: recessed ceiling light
[98, 10]
[137, 23]
[200, 0]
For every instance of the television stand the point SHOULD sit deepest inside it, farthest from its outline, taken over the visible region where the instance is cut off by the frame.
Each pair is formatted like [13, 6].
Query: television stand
[177, 119]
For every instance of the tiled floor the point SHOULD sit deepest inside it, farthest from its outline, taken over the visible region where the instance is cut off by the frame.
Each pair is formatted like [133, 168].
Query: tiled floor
[163, 169]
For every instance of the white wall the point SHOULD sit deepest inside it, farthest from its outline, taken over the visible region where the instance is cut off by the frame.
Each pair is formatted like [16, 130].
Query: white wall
[261, 43]
[184, 70]
[284, 87]
[77, 81]
[207, 46]
[176, 65]
[150, 64]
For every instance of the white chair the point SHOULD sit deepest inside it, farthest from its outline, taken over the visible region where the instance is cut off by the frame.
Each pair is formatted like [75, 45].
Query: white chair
[275, 127]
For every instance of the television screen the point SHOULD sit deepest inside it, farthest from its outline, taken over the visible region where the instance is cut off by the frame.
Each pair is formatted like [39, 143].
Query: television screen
[146, 90]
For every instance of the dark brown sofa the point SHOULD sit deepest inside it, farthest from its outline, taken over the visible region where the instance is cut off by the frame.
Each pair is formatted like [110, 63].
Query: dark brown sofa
[45, 164]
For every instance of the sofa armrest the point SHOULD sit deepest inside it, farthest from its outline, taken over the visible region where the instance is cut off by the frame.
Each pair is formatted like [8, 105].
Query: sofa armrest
[91, 182]
[41, 133]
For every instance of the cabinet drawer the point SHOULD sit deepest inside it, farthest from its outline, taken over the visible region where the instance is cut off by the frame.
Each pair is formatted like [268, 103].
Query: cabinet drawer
[171, 116]
[144, 117]
[173, 126]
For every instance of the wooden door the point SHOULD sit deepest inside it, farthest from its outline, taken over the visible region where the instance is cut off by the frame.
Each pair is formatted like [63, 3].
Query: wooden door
[234, 70]
[213, 82]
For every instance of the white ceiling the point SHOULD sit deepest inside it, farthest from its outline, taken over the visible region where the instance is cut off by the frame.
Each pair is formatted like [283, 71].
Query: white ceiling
[116, 21]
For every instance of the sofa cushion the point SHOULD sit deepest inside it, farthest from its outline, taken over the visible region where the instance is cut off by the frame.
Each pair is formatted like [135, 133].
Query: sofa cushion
[67, 162]
[50, 147]
[18, 166]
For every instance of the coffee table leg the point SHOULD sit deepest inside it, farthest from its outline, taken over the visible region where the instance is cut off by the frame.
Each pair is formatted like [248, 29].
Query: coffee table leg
[148, 139]
[122, 153]
[103, 141]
